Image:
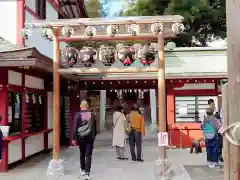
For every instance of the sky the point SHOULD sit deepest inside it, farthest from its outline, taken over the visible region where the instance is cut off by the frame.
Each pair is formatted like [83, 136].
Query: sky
[113, 6]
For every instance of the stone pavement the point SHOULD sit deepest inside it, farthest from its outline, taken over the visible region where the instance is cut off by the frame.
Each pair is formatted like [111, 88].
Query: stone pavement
[105, 166]
[203, 173]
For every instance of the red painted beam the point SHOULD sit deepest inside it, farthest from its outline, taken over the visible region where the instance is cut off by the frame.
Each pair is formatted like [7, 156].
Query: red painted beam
[34, 14]
[20, 21]
[56, 6]
[70, 6]
[83, 9]
[71, 3]
[78, 5]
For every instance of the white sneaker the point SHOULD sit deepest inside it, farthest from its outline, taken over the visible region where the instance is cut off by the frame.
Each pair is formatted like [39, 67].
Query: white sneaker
[82, 172]
[211, 166]
[87, 177]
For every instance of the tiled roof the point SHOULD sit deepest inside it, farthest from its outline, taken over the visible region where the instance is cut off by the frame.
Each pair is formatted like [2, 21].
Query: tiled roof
[6, 46]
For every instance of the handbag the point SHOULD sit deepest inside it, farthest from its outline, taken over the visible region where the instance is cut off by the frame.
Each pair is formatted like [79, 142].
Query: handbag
[128, 128]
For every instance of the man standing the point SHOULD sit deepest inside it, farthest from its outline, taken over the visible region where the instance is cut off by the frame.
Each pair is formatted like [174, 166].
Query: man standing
[138, 131]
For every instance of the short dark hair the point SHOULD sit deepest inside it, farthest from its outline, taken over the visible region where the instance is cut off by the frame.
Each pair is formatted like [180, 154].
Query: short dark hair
[89, 102]
[119, 108]
[135, 107]
[210, 101]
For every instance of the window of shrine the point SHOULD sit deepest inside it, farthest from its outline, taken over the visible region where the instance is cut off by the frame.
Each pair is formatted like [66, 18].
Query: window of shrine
[191, 108]
[41, 8]
[34, 112]
[14, 112]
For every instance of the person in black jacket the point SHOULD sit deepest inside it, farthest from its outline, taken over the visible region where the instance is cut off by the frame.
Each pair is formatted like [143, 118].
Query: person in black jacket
[82, 118]
[1, 141]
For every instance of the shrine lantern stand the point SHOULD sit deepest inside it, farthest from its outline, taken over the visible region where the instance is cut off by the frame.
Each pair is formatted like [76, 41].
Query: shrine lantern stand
[78, 63]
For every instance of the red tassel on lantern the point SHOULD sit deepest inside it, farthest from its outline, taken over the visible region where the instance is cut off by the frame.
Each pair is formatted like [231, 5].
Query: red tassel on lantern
[127, 62]
[146, 62]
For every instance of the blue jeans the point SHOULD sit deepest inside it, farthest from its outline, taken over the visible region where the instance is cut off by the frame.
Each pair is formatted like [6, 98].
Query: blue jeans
[135, 140]
[212, 147]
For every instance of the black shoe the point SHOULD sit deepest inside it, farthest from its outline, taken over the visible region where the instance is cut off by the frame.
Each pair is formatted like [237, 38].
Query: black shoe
[133, 160]
[125, 158]
[140, 160]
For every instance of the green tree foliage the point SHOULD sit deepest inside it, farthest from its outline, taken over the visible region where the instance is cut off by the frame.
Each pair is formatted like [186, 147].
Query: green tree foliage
[204, 19]
[93, 8]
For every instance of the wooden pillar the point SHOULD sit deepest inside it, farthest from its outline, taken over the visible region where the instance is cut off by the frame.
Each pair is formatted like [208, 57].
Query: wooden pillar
[226, 145]
[56, 94]
[233, 52]
[161, 93]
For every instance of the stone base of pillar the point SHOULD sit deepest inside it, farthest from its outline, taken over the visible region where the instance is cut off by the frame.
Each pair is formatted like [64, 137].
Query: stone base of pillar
[168, 171]
[55, 168]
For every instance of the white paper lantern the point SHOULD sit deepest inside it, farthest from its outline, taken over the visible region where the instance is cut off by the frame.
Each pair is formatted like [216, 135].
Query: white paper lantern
[90, 31]
[112, 30]
[177, 28]
[157, 28]
[40, 99]
[67, 31]
[26, 32]
[34, 99]
[26, 98]
[134, 29]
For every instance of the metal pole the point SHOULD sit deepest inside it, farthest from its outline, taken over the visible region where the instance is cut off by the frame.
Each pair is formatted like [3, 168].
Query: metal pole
[180, 130]
[161, 96]
[56, 94]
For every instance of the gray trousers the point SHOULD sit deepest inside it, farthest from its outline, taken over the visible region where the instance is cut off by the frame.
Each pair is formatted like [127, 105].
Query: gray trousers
[120, 151]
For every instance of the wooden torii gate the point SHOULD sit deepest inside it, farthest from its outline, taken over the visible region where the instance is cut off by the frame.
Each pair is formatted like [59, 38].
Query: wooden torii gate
[94, 29]
[232, 90]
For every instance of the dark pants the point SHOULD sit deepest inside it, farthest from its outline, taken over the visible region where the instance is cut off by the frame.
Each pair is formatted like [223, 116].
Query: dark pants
[86, 149]
[212, 147]
[135, 140]
[220, 147]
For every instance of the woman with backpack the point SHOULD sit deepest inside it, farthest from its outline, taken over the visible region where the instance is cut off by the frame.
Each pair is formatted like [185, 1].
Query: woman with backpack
[211, 126]
[84, 133]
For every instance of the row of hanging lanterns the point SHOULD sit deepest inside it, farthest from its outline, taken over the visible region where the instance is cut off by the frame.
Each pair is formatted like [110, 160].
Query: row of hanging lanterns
[111, 30]
[16, 97]
[129, 90]
[132, 29]
[34, 98]
[122, 92]
[108, 55]
[119, 82]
